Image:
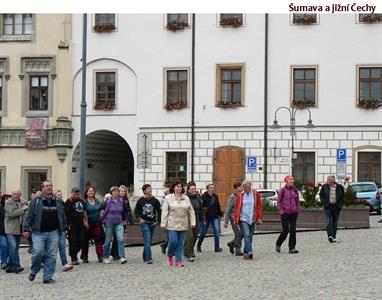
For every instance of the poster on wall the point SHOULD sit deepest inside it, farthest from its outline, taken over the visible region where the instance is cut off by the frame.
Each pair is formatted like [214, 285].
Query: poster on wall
[36, 134]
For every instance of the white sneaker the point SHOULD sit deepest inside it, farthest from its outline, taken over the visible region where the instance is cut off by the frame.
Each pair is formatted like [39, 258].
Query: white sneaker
[123, 260]
[67, 267]
[107, 261]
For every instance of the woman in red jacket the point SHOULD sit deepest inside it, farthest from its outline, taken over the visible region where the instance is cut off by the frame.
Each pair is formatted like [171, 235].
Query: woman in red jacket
[248, 211]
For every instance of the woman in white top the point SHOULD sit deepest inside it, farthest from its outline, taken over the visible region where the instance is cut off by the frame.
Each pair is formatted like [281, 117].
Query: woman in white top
[177, 216]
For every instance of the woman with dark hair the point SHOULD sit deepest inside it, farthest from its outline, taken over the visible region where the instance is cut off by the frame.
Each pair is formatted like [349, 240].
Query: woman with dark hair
[177, 215]
[3, 236]
[95, 232]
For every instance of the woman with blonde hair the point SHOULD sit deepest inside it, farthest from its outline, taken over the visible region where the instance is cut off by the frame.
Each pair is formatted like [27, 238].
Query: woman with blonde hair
[177, 216]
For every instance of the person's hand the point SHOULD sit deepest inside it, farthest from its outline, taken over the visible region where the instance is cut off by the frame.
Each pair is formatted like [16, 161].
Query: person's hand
[259, 221]
[25, 207]
[86, 225]
[26, 234]
[225, 225]
[193, 226]
[141, 221]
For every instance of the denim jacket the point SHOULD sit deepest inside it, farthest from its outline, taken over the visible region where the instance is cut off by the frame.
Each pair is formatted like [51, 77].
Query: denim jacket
[32, 222]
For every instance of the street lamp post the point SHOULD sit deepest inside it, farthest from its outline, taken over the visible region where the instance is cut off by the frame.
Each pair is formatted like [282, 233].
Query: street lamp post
[292, 126]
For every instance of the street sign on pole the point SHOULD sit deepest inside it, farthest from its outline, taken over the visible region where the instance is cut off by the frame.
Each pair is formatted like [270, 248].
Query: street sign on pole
[144, 151]
[341, 170]
[341, 155]
[251, 163]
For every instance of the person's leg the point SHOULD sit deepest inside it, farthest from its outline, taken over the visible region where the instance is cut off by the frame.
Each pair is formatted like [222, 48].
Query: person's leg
[284, 233]
[89, 233]
[50, 254]
[4, 250]
[336, 215]
[146, 241]
[195, 232]
[73, 244]
[119, 232]
[114, 247]
[292, 234]
[16, 260]
[328, 217]
[109, 230]
[152, 230]
[38, 251]
[238, 236]
[99, 239]
[245, 231]
[81, 234]
[251, 231]
[172, 242]
[189, 243]
[203, 232]
[62, 248]
[181, 235]
[12, 245]
[216, 228]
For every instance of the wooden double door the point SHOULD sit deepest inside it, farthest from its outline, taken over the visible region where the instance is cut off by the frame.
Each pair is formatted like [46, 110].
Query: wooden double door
[229, 167]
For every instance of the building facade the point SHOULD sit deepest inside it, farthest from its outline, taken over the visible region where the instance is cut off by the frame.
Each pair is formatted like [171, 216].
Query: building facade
[140, 98]
[35, 106]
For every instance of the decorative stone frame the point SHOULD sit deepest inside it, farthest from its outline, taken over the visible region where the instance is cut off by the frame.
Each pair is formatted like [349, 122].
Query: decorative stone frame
[24, 177]
[2, 175]
[30, 66]
[4, 73]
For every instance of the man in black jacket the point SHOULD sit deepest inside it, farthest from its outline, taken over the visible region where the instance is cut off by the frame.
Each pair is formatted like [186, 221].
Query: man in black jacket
[332, 198]
[212, 212]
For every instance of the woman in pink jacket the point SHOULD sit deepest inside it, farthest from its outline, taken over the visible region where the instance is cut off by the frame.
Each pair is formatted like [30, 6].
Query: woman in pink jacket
[288, 203]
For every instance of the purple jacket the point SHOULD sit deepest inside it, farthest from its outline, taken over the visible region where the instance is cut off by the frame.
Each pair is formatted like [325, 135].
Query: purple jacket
[288, 201]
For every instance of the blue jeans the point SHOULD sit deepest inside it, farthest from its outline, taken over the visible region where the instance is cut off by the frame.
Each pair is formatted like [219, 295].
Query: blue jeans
[175, 243]
[147, 233]
[332, 213]
[13, 248]
[4, 249]
[204, 228]
[62, 248]
[119, 231]
[247, 231]
[45, 246]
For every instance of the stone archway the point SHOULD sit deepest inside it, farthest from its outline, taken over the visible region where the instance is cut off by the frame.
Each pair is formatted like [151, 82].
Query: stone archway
[109, 161]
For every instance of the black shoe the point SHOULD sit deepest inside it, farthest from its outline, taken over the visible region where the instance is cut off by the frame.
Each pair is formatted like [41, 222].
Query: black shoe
[163, 248]
[250, 255]
[75, 263]
[293, 251]
[330, 239]
[198, 248]
[239, 253]
[100, 259]
[278, 249]
[19, 270]
[85, 261]
[10, 270]
[231, 248]
[3, 266]
[115, 257]
[218, 250]
[49, 281]
[30, 250]
[31, 276]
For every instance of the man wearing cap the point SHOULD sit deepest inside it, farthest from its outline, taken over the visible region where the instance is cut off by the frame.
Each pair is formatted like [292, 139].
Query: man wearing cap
[77, 223]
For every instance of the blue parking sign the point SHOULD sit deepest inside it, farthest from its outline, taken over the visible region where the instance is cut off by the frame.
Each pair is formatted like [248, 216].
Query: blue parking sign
[251, 163]
[341, 155]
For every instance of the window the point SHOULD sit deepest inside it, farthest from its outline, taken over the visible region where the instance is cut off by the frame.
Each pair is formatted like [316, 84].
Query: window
[304, 19]
[35, 179]
[1, 93]
[17, 24]
[304, 167]
[177, 87]
[104, 22]
[38, 93]
[234, 20]
[304, 86]
[177, 21]
[176, 166]
[105, 90]
[2, 179]
[230, 85]
[370, 86]
[369, 167]
[370, 18]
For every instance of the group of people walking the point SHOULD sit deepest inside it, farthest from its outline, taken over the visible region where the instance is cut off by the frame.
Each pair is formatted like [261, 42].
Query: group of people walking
[185, 215]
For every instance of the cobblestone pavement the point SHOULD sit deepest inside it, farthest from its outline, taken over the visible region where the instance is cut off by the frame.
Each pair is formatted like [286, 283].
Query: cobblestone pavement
[349, 269]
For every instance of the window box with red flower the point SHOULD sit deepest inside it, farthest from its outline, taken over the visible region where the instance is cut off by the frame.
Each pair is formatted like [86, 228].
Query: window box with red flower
[370, 18]
[231, 21]
[229, 104]
[106, 106]
[175, 106]
[303, 103]
[177, 25]
[369, 104]
[104, 27]
[305, 19]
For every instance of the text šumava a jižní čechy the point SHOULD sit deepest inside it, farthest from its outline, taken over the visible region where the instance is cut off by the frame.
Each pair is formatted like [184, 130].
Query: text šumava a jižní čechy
[351, 7]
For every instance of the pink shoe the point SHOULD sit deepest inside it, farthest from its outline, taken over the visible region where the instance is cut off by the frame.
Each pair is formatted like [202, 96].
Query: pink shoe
[170, 262]
[179, 264]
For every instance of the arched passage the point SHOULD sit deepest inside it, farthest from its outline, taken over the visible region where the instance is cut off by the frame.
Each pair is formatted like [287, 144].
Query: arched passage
[109, 161]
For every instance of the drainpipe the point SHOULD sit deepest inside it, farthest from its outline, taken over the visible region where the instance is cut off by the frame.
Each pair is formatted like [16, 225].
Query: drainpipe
[265, 183]
[83, 109]
[193, 100]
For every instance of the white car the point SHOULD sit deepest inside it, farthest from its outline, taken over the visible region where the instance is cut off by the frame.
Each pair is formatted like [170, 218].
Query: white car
[270, 195]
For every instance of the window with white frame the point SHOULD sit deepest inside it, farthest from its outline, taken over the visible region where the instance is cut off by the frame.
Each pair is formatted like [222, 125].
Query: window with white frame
[177, 21]
[105, 84]
[176, 88]
[230, 85]
[369, 87]
[304, 86]
[17, 24]
[104, 22]
[38, 92]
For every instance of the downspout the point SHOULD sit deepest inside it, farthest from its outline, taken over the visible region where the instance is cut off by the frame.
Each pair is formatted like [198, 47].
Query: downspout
[193, 100]
[265, 183]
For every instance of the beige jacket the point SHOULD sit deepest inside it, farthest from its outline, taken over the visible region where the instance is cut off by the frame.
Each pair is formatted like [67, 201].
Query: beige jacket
[177, 215]
[14, 216]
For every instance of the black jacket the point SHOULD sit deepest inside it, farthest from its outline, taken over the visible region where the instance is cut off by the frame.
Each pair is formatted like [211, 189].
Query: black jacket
[211, 206]
[325, 195]
[148, 209]
[197, 206]
[2, 217]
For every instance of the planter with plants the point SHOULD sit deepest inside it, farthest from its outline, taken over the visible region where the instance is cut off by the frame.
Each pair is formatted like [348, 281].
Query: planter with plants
[369, 104]
[104, 27]
[175, 106]
[106, 106]
[231, 21]
[371, 18]
[307, 19]
[303, 103]
[177, 25]
[229, 104]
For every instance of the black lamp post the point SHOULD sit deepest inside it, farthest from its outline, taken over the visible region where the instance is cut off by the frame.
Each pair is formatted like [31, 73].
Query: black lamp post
[292, 126]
